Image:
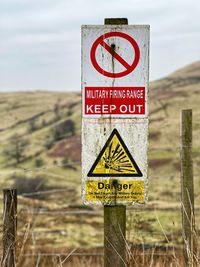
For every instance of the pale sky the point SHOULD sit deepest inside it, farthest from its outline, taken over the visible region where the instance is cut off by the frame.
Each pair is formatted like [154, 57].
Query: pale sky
[40, 42]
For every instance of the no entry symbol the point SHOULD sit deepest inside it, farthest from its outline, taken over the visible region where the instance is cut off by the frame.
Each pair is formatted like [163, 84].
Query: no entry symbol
[128, 67]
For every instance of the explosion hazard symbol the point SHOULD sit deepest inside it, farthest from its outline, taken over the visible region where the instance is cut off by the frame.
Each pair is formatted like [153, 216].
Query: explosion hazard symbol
[115, 160]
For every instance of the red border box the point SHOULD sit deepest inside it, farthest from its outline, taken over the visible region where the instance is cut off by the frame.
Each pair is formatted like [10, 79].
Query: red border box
[114, 100]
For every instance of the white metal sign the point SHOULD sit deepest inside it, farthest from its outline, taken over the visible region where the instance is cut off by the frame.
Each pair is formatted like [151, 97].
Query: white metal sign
[115, 63]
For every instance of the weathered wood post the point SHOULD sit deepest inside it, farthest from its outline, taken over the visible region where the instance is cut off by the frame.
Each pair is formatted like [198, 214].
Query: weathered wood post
[9, 227]
[187, 190]
[115, 216]
[114, 236]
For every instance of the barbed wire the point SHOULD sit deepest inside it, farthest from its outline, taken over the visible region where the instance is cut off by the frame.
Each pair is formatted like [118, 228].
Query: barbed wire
[52, 191]
[75, 212]
[52, 213]
[84, 212]
[94, 254]
[78, 211]
[64, 232]
[63, 213]
[61, 254]
[99, 211]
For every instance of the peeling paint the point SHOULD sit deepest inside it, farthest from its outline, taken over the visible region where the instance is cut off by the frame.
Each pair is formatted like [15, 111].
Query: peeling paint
[99, 124]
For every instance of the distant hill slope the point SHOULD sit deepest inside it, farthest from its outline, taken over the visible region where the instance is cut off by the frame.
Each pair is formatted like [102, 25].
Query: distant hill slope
[168, 96]
[44, 128]
[192, 70]
[41, 117]
[189, 75]
[32, 126]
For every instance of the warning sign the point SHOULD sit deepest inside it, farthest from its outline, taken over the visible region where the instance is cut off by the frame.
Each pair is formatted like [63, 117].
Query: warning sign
[115, 71]
[112, 50]
[115, 160]
[114, 100]
[111, 191]
[115, 113]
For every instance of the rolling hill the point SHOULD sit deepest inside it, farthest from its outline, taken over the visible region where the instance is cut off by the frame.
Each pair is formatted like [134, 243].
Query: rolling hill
[40, 151]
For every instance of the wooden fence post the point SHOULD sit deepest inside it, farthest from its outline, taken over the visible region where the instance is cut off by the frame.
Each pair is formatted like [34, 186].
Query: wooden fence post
[187, 190]
[9, 227]
[114, 236]
[115, 216]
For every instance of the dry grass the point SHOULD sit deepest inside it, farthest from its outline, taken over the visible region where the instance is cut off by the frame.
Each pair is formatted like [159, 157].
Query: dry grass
[139, 260]
[143, 255]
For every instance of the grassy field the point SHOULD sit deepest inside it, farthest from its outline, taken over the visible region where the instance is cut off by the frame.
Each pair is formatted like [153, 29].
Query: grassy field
[40, 151]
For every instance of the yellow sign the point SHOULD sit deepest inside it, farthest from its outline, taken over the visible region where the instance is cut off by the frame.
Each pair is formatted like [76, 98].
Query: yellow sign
[114, 191]
[115, 160]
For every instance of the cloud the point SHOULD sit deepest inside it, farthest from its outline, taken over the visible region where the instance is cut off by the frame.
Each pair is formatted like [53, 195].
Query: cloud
[41, 38]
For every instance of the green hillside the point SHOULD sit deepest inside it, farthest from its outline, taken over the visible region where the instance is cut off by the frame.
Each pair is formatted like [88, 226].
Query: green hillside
[40, 150]
[32, 126]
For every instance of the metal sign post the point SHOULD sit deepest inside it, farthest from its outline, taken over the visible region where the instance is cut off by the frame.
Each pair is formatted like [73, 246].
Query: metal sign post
[115, 116]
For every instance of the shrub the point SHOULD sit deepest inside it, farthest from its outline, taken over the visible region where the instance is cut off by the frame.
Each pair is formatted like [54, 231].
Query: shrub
[63, 130]
[39, 162]
[16, 148]
[49, 142]
[32, 126]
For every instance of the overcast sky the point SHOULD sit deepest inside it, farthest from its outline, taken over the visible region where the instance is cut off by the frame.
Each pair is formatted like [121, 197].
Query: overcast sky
[40, 39]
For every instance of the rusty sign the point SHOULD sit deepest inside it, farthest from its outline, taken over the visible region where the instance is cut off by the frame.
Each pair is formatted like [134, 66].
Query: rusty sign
[115, 67]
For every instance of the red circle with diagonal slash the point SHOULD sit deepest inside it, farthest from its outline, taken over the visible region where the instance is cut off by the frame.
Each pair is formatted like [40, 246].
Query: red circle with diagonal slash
[100, 41]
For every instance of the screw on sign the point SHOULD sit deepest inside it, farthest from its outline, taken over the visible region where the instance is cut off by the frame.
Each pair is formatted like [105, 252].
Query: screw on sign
[111, 49]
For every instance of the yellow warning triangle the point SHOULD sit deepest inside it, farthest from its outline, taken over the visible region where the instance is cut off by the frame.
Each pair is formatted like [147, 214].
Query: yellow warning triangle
[115, 160]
